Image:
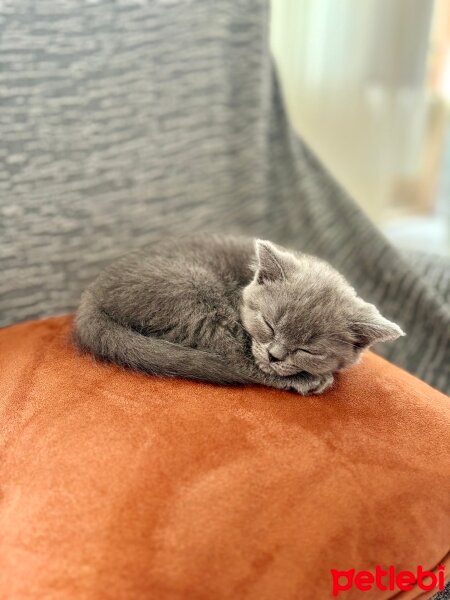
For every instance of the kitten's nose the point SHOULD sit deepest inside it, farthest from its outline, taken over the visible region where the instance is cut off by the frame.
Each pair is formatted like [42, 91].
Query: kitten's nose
[276, 352]
[272, 358]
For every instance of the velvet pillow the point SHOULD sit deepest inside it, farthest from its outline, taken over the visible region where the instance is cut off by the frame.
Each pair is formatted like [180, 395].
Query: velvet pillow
[119, 485]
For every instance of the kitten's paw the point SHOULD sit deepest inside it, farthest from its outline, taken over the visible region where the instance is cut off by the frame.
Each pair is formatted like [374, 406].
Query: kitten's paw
[321, 383]
[311, 384]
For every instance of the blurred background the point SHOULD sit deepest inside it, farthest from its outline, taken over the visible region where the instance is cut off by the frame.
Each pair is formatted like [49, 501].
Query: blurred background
[368, 86]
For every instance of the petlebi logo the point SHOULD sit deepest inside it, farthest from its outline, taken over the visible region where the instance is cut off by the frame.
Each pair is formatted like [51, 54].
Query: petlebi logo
[387, 578]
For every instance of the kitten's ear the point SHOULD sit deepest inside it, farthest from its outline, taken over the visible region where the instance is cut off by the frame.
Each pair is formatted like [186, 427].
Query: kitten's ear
[371, 327]
[272, 264]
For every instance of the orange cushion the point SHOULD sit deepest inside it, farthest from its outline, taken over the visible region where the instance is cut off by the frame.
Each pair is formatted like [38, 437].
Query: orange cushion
[119, 485]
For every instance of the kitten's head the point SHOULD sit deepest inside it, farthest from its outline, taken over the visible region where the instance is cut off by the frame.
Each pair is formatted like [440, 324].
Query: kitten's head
[302, 315]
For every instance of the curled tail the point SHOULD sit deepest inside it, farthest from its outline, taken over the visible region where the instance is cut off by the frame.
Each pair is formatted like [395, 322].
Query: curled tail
[97, 332]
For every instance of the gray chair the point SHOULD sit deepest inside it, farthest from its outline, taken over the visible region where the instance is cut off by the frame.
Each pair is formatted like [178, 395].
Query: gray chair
[122, 122]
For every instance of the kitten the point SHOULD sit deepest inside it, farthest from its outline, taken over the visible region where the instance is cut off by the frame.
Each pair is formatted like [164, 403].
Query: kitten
[229, 310]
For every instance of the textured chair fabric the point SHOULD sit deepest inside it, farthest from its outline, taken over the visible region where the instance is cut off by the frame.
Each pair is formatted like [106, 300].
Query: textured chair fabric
[120, 485]
[123, 121]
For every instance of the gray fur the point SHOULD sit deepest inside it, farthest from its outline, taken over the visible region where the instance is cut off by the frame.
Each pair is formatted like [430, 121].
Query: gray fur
[228, 310]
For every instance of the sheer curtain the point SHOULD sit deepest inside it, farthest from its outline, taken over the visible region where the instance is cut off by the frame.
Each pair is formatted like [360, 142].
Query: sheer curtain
[354, 76]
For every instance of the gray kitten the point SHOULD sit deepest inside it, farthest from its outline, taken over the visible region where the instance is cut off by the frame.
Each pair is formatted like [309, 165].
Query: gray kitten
[229, 310]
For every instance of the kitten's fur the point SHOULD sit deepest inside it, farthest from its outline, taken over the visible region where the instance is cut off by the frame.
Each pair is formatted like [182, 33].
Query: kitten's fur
[229, 310]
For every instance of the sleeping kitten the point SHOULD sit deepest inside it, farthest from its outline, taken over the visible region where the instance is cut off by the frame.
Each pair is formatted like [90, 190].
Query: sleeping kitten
[229, 310]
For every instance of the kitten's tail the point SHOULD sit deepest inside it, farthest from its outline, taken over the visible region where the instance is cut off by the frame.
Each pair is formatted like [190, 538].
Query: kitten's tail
[104, 337]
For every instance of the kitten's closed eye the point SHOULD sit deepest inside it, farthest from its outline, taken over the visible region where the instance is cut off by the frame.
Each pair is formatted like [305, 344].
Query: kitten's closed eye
[313, 353]
[306, 351]
[268, 325]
